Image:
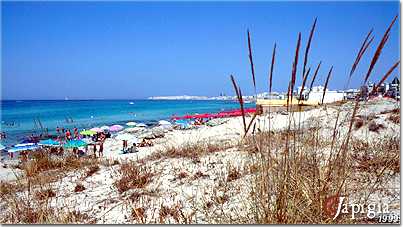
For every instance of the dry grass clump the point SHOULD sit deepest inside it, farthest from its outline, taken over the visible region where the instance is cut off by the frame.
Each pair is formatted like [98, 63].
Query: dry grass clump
[92, 170]
[375, 156]
[79, 187]
[174, 212]
[233, 174]
[136, 195]
[109, 162]
[194, 151]
[395, 118]
[35, 209]
[358, 123]
[132, 176]
[394, 115]
[7, 189]
[294, 182]
[191, 151]
[45, 194]
[166, 211]
[43, 168]
[221, 199]
[199, 174]
[393, 111]
[139, 214]
[360, 120]
[182, 175]
[42, 161]
[25, 212]
[375, 127]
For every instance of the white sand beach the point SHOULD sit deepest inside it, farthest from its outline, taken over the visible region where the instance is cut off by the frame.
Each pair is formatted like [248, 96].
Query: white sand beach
[200, 188]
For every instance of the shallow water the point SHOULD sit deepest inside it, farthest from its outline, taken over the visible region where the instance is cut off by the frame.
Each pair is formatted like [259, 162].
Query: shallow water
[25, 117]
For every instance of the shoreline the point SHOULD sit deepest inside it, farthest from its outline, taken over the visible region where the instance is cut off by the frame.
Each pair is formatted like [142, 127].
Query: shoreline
[122, 111]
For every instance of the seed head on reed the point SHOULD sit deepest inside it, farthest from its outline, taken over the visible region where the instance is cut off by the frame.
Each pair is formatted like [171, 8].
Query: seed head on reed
[378, 51]
[251, 61]
[308, 46]
[273, 57]
[326, 83]
[240, 100]
[314, 76]
[303, 83]
[386, 76]
[294, 70]
[241, 103]
[360, 53]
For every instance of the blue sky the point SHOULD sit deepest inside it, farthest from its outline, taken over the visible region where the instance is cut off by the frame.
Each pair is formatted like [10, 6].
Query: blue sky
[125, 50]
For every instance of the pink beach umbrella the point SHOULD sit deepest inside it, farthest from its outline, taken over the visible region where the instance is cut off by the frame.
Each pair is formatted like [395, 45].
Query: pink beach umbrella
[96, 129]
[115, 128]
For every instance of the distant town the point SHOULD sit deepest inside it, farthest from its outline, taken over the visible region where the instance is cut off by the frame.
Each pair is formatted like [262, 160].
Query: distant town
[391, 90]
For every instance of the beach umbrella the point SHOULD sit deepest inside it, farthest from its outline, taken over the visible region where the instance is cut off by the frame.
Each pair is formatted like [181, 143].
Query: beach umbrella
[75, 144]
[131, 123]
[97, 129]
[105, 128]
[127, 137]
[48, 142]
[163, 122]
[181, 122]
[141, 125]
[22, 148]
[24, 144]
[134, 129]
[88, 133]
[115, 128]
[2, 147]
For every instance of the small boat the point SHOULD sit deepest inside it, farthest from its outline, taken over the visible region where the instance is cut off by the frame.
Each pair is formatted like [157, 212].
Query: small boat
[131, 103]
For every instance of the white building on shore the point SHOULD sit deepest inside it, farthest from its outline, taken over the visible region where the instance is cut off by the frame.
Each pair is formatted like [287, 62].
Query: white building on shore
[316, 95]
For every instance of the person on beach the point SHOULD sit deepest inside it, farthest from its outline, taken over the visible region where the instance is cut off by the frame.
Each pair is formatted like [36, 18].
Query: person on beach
[103, 137]
[68, 134]
[57, 130]
[31, 138]
[124, 145]
[101, 149]
[11, 155]
[75, 151]
[95, 150]
[75, 133]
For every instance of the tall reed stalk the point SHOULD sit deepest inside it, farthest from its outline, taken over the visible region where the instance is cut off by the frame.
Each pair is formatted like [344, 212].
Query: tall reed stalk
[326, 83]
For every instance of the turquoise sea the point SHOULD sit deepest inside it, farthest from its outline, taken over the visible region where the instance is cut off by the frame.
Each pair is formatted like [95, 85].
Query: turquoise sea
[25, 117]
